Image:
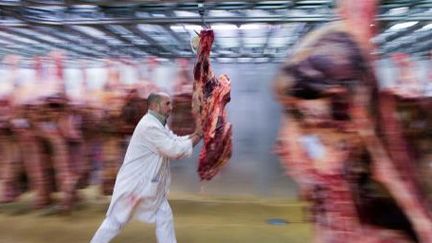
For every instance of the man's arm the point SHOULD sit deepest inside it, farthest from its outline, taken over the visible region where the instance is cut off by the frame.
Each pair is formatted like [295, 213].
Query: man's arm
[168, 145]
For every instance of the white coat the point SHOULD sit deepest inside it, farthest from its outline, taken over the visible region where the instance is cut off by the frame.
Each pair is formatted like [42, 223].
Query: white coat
[144, 177]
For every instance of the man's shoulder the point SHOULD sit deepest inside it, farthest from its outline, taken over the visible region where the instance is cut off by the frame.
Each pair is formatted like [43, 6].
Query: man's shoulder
[147, 121]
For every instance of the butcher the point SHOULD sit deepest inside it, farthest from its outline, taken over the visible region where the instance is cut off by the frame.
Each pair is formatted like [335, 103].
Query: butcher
[142, 182]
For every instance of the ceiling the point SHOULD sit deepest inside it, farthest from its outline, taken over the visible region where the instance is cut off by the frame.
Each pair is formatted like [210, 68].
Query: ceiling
[246, 31]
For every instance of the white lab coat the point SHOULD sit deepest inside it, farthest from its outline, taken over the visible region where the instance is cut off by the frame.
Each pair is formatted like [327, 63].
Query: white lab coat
[144, 177]
[142, 182]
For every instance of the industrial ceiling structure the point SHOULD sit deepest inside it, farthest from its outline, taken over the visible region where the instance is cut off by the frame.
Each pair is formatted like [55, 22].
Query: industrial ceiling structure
[246, 31]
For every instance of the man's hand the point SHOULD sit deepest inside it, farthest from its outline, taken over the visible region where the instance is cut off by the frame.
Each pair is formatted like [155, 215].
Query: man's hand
[198, 128]
[197, 135]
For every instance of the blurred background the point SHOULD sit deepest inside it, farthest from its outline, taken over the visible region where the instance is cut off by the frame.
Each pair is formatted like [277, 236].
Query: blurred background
[74, 78]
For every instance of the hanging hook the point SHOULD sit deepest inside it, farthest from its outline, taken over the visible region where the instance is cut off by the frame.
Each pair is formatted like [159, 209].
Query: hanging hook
[201, 11]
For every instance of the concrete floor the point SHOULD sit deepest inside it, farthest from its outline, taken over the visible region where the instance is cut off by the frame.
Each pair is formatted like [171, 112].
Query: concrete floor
[197, 219]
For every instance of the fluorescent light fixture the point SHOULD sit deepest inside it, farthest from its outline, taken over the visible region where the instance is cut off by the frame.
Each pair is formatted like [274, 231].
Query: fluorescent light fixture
[220, 13]
[225, 60]
[192, 27]
[150, 28]
[38, 35]
[50, 8]
[141, 14]
[397, 11]
[244, 59]
[177, 28]
[257, 13]
[84, 6]
[426, 27]
[90, 31]
[186, 14]
[312, 2]
[122, 30]
[253, 26]
[186, 27]
[158, 15]
[18, 38]
[162, 60]
[224, 27]
[403, 25]
[3, 42]
[262, 59]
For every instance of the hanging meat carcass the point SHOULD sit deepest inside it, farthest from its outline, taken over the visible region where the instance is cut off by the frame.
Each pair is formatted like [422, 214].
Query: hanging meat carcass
[210, 96]
[354, 169]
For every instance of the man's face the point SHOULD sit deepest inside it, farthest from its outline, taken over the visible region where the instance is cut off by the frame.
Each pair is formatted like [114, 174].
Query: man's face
[165, 106]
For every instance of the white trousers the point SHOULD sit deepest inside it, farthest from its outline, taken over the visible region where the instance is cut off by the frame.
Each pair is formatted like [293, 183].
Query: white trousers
[111, 226]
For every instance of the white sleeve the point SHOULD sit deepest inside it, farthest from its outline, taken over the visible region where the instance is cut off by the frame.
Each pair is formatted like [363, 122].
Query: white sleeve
[185, 137]
[171, 146]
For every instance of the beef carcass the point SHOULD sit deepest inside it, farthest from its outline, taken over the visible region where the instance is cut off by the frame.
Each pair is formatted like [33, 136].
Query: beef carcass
[210, 96]
[346, 178]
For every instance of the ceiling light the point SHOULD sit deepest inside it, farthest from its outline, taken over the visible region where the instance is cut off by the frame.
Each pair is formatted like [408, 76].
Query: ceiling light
[244, 59]
[262, 59]
[403, 25]
[426, 27]
[177, 28]
[225, 60]
[397, 11]
[89, 31]
[253, 26]
[185, 14]
[224, 27]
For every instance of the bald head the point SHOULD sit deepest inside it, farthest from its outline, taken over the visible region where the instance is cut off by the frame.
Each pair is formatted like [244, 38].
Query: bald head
[154, 99]
[160, 102]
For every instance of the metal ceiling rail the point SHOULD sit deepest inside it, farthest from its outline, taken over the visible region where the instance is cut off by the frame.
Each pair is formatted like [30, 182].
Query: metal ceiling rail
[122, 35]
[74, 40]
[71, 12]
[131, 46]
[277, 19]
[397, 34]
[154, 44]
[155, 6]
[114, 50]
[54, 44]
[181, 4]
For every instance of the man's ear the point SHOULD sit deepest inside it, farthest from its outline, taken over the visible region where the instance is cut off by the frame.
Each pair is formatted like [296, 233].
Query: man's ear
[156, 107]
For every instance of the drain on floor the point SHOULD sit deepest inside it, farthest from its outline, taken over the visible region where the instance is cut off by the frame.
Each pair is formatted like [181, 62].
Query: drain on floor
[276, 221]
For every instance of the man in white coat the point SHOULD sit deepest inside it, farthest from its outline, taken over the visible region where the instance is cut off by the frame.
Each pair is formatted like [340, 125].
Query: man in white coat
[142, 182]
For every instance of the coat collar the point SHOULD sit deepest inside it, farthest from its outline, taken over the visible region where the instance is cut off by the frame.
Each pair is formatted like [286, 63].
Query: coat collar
[158, 116]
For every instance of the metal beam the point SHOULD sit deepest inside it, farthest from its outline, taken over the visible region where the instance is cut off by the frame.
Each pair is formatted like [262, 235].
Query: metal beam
[56, 45]
[71, 41]
[134, 29]
[113, 49]
[22, 43]
[195, 20]
[109, 30]
[177, 20]
[177, 37]
[69, 17]
[270, 33]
